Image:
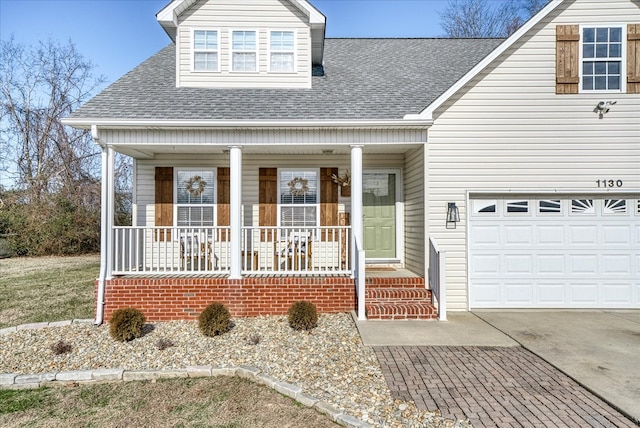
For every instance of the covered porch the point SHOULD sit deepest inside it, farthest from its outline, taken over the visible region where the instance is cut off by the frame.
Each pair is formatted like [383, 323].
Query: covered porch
[280, 218]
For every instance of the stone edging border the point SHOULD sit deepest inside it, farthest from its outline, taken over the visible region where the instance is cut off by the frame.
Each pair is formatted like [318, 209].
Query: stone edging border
[29, 381]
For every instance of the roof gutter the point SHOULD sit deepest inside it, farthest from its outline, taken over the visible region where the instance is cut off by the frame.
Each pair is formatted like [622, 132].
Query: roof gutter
[413, 123]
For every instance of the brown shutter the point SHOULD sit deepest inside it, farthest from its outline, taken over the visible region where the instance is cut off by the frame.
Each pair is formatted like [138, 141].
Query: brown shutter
[633, 58]
[268, 199]
[164, 200]
[224, 198]
[567, 59]
[328, 201]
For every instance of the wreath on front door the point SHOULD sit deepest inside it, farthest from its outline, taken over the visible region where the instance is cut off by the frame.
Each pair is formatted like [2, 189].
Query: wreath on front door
[195, 185]
[298, 186]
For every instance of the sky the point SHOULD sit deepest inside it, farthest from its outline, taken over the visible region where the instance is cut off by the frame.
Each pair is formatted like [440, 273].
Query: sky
[117, 35]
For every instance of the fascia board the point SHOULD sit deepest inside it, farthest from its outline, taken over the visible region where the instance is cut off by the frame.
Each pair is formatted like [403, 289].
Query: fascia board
[244, 124]
[427, 113]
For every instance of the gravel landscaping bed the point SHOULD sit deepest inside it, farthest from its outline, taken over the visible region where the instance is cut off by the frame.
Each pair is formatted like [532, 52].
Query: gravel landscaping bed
[329, 363]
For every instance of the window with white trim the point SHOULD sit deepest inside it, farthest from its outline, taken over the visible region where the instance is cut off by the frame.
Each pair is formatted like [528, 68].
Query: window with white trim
[244, 54]
[602, 50]
[282, 51]
[195, 197]
[205, 50]
[299, 198]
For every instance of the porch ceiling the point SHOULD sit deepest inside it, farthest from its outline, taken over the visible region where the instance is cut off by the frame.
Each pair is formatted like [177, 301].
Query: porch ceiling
[149, 151]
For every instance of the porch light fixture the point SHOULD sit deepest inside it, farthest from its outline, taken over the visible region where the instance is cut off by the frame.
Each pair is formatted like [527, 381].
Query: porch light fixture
[453, 215]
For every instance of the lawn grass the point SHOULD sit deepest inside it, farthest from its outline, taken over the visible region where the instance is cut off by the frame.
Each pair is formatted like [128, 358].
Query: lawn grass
[47, 289]
[211, 402]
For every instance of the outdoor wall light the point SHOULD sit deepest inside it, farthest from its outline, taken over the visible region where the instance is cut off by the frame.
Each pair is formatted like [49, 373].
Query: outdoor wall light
[603, 108]
[453, 215]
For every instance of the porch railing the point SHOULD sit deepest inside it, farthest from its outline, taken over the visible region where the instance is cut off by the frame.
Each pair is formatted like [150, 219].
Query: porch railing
[437, 277]
[206, 250]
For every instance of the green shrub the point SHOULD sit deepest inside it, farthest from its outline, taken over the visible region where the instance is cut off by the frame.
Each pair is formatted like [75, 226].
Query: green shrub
[126, 324]
[303, 316]
[214, 320]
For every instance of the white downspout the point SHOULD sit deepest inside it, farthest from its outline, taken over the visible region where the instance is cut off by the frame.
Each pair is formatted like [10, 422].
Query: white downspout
[104, 191]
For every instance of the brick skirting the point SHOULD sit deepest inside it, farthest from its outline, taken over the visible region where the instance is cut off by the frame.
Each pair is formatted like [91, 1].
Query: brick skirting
[165, 299]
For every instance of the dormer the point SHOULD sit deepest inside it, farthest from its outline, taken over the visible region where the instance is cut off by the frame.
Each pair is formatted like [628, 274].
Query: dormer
[244, 43]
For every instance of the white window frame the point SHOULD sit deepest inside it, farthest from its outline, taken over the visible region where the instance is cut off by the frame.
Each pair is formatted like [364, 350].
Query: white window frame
[195, 51]
[623, 60]
[233, 51]
[292, 51]
[317, 203]
[176, 205]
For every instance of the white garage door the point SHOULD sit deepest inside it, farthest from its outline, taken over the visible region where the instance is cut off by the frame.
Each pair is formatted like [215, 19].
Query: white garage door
[581, 252]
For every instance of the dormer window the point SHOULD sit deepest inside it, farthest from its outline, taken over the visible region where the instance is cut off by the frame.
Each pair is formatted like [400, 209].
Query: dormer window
[244, 51]
[205, 50]
[282, 51]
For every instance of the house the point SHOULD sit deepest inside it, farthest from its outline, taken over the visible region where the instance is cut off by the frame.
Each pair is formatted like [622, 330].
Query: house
[273, 164]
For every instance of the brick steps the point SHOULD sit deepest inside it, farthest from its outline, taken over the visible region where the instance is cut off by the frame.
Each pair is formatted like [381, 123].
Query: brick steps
[398, 299]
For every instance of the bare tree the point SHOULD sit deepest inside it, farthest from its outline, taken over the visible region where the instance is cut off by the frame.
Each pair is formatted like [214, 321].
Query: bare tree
[481, 18]
[38, 87]
[50, 184]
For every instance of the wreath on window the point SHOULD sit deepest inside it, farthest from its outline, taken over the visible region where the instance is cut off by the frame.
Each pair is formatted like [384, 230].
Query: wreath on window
[195, 185]
[298, 186]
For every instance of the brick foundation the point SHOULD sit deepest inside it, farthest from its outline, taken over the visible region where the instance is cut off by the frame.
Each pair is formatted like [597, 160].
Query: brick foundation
[165, 299]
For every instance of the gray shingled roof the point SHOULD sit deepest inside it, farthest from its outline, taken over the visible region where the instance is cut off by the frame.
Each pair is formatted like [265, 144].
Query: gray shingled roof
[363, 79]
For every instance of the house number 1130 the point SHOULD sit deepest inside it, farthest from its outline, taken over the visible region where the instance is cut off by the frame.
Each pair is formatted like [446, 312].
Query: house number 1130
[609, 183]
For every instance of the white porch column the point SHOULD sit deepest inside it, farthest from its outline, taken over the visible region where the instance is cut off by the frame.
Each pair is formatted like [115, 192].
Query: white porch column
[235, 211]
[110, 208]
[356, 195]
[357, 254]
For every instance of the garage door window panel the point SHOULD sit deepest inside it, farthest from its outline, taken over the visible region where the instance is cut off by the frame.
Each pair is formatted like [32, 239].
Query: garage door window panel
[582, 206]
[550, 206]
[517, 207]
[614, 206]
[485, 206]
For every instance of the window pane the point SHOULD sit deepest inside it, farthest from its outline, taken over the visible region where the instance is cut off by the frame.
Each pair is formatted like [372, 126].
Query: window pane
[602, 50]
[282, 40]
[602, 34]
[205, 39]
[587, 83]
[614, 82]
[195, 187]
[205, 61]
[601, 83]
[244, 40]
[298, 187]
[615, 50]
[615, 34]
[587, 68]
[244, 61]
[589, 35]
[601, 68]
[588, 51]
[281, 62]
[614, 67]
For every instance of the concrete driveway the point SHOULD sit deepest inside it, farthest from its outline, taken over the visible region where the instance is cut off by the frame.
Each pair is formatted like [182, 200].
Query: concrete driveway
[598, 348]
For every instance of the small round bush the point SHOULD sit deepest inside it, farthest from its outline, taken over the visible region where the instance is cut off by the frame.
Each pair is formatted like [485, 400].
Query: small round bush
[303, 315]
[126, 324]
[214, 320]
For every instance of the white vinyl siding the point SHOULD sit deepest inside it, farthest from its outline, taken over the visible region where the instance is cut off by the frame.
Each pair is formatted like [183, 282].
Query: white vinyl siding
[508, 132]
[264, 16]
[414, 225]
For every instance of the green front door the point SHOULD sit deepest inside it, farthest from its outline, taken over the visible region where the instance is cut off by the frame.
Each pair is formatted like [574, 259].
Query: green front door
[379, 210]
